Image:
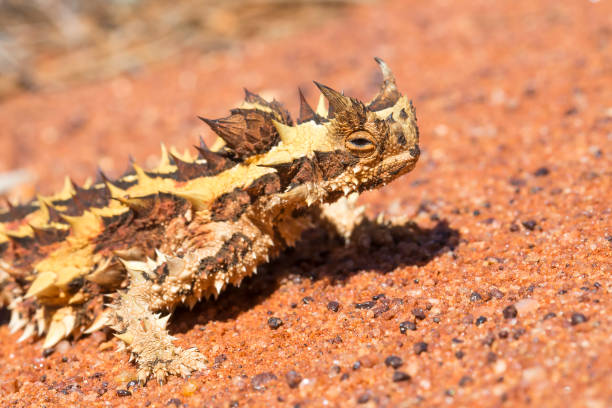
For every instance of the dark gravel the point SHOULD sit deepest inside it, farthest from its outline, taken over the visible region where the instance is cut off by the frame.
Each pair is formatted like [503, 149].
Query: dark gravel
[333, 306]
[475, 297]
[260, 381]
[529, 224]
[365, 305]
[393, 361]
[123, 393]
[405, 326]
[420, 347]
[510, 312]
[480, 320]
[465, 380]
[293, 378]
[578, 318]
[419, 313]
[274, 323]
[399, 376]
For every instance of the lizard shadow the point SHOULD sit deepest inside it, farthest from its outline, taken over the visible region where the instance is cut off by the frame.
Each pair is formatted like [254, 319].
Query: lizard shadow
[380, 247]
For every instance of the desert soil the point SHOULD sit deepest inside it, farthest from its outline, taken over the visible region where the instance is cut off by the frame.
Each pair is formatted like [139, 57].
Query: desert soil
[495, 292]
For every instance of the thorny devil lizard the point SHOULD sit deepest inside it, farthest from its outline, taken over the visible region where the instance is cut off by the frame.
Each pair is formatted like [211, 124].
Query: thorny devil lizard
[120, 253]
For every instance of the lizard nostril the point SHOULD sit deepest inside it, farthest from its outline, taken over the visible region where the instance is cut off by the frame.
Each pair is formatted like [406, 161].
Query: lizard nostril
[415, 151]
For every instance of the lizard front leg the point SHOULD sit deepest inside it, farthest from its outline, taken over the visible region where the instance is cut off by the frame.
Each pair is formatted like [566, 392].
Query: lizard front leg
[144, 332]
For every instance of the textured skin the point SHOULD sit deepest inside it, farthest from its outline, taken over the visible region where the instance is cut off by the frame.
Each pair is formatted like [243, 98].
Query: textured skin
[154, 240]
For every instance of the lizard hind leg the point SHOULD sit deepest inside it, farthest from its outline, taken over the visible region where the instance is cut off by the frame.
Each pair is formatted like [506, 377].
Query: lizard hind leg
[143, 331]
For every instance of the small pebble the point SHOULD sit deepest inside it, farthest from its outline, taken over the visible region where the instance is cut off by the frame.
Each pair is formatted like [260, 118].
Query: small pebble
[379, 296]
[393, 361]
[356, 365]
[465, 380]
[405, 326]
[260, 381]
[491, 357]
[363, 398]
[48, 352]
[541, 172]
[549, 316]
[220, 359]
[399, 376]
[480, 320]
[420, 347]
[488, 340]
[275, 323]
[131, 384]
[459, 354]
[475, 297]
[518, 333]
[535, 189]
[365, 305]
[419, 313]
[503, 334]
[307, 299]
[496, 293]
[123, 393]
[333, 306]
[293, 378]
[510, 312]
[529, 224]
[517, 182]
[578, 318]
[174, 401]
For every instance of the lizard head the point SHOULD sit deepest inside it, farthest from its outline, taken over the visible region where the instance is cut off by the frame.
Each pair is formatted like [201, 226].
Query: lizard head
[379, 141]
[351, 146]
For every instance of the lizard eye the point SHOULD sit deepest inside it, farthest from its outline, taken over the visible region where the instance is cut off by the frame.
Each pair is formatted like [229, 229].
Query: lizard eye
[360, 143]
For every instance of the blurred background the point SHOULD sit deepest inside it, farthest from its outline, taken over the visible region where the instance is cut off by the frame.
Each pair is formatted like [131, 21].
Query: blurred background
[51, 44]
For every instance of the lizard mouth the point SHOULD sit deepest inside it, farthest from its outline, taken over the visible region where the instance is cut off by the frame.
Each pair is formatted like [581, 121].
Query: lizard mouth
[398, 164]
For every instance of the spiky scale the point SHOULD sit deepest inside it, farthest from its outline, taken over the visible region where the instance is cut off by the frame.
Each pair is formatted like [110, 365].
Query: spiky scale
[388, 94]
[27, 333]
[306, 112]
[43, 282]
[337, 101]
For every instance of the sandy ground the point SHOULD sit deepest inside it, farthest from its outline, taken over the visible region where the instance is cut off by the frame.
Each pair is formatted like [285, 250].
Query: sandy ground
[497, 293]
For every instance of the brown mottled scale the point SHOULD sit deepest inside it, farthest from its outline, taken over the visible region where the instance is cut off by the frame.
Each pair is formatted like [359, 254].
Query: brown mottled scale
[187, 229]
